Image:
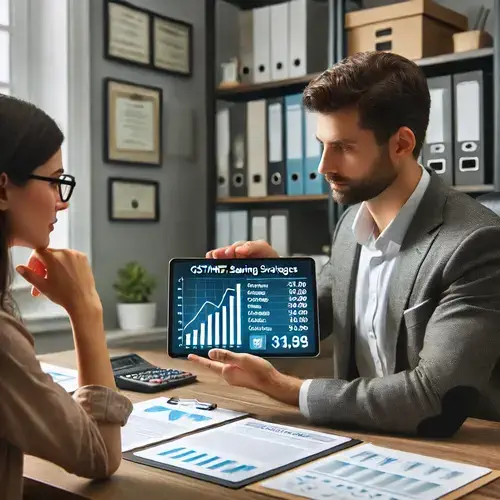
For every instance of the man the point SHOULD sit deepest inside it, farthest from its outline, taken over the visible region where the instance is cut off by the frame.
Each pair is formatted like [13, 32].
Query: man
[411, 292]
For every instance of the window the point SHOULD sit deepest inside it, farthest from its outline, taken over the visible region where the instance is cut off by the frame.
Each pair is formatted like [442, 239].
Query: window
[51, 68]
[4, 47]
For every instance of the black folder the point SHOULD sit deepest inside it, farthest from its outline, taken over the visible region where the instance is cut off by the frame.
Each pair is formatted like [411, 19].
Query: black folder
[276, 141]
[473, 113]
[437, 151]
[238, 150]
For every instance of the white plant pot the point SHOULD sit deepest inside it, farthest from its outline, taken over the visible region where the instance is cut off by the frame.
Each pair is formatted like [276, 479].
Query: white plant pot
[136, 316]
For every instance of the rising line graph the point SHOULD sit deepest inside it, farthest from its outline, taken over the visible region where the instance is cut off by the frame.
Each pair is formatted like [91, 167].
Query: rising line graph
[220, 328]
[208, 302]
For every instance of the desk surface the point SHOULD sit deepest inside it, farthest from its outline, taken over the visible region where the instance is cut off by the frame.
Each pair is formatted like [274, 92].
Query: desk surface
[477, 443]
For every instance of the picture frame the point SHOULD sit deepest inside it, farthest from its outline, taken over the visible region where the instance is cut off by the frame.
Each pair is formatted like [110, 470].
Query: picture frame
[133, 200]
[172, 45]
[127, 33]
[133, 123]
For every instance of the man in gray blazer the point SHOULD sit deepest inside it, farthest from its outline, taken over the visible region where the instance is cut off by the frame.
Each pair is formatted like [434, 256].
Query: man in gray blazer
[411, 293]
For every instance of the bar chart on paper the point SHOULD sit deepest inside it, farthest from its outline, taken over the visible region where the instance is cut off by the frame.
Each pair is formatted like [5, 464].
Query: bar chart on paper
[244, 308]
[207, 460]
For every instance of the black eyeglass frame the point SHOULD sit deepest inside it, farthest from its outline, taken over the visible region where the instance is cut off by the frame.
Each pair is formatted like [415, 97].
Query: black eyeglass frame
[64, 179]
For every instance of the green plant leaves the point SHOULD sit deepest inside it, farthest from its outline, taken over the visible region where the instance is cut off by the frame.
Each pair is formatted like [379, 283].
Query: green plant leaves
[134, 284]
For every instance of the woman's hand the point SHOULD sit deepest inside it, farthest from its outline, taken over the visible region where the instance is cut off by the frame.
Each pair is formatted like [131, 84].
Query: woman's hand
[63, 276]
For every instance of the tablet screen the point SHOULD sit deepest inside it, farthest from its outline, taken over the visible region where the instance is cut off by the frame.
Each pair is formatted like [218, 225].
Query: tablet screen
[266, 307]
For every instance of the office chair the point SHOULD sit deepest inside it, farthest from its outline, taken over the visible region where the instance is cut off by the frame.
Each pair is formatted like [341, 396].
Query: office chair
[491, 201]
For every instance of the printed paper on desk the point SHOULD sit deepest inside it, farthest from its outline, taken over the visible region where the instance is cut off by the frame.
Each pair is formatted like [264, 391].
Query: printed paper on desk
[67, 378]
[368, 471]
[241, 452]
[155, 420]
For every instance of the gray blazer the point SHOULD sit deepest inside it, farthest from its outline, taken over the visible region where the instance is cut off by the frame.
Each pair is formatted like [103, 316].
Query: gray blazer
[444, 303]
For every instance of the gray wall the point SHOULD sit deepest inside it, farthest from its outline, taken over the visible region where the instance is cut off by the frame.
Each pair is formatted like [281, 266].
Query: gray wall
[182, 228]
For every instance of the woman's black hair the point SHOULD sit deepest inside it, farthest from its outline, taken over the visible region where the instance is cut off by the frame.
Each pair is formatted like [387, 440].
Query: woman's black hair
[29, 137]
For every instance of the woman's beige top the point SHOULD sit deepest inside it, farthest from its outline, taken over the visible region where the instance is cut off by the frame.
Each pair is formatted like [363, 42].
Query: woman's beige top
[38, 417]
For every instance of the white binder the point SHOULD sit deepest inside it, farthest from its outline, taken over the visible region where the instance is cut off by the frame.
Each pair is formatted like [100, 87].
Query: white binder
[308, 37]
[279, 41]
[222, 228]
[262, 44]
[278, 232]
[258, 227]
[223, 142]
[239, 225]
[256, 148]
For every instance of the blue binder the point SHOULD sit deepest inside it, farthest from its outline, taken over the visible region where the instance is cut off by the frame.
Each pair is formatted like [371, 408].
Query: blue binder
[295, 149]
[314, 182]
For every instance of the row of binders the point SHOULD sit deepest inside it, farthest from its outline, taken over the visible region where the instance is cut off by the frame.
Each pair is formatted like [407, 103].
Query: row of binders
[268, 147]
[243, 225]
[285, 40]
[458, 144]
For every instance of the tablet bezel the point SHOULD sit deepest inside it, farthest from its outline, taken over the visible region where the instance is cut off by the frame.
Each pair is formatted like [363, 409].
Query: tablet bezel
[262, 354]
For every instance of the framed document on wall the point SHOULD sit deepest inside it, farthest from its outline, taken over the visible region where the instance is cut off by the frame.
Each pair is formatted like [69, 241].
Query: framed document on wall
[172, 45]
[133, 123]
[127, 33]
[133, 200]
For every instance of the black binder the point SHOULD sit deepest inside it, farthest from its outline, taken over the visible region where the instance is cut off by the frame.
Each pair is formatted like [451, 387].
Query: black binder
[437, 151]
[276, 141]
[473, 127]
[238, 151]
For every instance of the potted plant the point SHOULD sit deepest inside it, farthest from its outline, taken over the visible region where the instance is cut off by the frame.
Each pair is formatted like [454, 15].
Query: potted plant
[134, 287]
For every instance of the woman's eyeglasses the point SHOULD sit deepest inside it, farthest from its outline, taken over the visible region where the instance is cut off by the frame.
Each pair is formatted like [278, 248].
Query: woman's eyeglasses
[65, 183]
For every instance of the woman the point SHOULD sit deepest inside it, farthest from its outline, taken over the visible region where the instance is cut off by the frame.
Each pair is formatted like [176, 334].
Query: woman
[80, 433]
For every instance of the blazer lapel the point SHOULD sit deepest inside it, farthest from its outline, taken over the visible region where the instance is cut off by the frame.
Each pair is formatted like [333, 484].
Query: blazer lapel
[346, 261]
[418, 239]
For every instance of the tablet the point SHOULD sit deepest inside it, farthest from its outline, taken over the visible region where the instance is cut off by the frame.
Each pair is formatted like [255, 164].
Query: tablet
[266, 307]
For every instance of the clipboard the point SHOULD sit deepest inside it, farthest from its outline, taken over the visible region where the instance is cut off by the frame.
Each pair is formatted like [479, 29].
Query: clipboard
[453, 495]
[131, 456]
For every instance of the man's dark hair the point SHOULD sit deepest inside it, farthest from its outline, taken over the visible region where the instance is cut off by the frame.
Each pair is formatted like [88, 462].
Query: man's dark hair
[388, 91]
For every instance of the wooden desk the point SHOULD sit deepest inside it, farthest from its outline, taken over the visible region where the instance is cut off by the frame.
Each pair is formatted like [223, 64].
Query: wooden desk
[478, 443]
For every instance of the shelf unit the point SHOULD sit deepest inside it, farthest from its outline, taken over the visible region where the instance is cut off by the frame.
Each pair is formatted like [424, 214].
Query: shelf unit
[486, 58]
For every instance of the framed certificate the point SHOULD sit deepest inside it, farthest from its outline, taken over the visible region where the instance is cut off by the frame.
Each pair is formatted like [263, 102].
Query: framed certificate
[133, 123]
[127, 33]
[172, 45]
[133, 200]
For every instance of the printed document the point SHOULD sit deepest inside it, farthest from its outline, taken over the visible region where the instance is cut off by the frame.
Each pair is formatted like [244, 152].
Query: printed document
[241, 450]
[156, 420]
[368, 471]
[67, 378]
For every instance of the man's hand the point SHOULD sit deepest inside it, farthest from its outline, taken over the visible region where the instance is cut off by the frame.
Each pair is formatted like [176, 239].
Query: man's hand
[244, 250]
[252, 372]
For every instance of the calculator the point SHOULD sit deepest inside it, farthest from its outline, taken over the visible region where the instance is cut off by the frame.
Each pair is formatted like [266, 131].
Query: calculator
[134, 373]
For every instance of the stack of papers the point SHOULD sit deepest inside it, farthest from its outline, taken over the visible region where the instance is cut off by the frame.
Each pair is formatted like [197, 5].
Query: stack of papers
[156, 420]
[67, 378]
[368, 471]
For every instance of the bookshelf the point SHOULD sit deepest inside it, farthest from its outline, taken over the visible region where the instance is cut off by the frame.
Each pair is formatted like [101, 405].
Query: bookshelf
[485, 58]
[432, 66]
[249, 92]
[282, 199]
[319, 205]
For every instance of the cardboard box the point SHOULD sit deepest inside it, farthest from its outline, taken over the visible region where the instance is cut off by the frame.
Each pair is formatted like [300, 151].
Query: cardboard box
[413, 29]
[471, 40]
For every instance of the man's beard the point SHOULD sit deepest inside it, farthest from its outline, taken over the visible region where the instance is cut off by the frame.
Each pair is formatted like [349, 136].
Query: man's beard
[382, 176]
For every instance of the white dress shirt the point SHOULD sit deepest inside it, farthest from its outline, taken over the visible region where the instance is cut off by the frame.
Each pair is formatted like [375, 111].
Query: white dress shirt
[375, 347]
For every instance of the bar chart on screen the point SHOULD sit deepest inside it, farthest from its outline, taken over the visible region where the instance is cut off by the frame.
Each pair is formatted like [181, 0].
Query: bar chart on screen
[243, 306]
[213, 323]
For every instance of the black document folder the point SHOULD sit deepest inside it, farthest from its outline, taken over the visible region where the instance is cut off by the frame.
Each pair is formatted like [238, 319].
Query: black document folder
[437, 151]
[473, 127]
